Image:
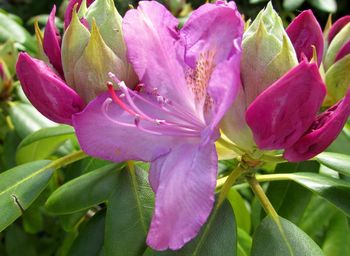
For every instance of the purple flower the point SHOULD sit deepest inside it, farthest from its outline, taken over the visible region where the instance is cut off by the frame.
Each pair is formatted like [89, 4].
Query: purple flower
[190, 78]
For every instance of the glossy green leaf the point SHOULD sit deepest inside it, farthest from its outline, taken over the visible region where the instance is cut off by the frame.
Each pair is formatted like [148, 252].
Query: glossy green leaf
[316, 217]
[26, 119]
[291, 5]
[217, 237]
[18, 242]
[10, 145]
[324, 5]
[337, 241]
[70, 222]
[341, 144]
[244, 243]
[335, 161]
[132, 202]
[85, 191]
[334, 190]
[19, 187]
[241, 212]
[287, 240]
[288, 198]
[90, 239]
[42, 143]
[11, 30]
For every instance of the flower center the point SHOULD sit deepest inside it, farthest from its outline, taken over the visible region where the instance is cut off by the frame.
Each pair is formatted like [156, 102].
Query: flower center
[143, 106]
[198, 81]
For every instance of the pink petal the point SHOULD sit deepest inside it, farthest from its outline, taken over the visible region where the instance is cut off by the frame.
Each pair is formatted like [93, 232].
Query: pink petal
[345, 50]
[151, 35]
[223, 87]
[46, 91]
[322, 133]
[282, 113]
[337, 26]
[107, 131]
[69, 10]
[304, 32]
[52, 43]
[214, 28]
[184, 183]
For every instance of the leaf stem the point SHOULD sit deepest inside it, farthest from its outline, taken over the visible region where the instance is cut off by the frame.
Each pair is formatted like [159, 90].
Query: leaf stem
[229, 181]
[68, 159]
[259, 192]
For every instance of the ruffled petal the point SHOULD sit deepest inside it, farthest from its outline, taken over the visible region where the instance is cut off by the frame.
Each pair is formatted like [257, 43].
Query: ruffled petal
[52, 43]
[223, 87]
[184, 181]
[212, 38]
[107, 131]
[216, 28]
[322, 133]
[337, 26]
[46, 91]
[305, 32]
[151, 36]
[282, 113]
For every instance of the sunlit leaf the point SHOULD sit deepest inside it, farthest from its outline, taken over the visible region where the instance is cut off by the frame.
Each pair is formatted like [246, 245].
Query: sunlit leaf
[19, 187]
[335, 161]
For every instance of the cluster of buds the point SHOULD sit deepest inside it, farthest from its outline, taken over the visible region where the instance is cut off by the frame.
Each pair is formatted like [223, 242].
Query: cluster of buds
[283, 90]
[74, 67]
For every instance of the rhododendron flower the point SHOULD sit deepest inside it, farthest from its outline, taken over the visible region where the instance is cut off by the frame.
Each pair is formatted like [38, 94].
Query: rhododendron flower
[74, 68]
[275, 113]
[190, 78]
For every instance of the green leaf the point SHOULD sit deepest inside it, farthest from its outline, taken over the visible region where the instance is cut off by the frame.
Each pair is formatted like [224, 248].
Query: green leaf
[244, 243]
[324, 5]
[70, 222]
[26, 119]
[10, 144]
[18, 242]
[85, 191]
[41, 144]
[217, 237]
[241, 212]
[11, 30]
[132, 202]
[90, 239]
[316, 217]
[334, 190]
[287, 240]
[19, 187]
[291, 5]
[337, 241]
[335, 161]
[341, 144]
[289, 199]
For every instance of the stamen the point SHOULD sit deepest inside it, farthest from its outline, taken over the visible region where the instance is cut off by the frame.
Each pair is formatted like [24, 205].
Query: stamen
[118, 101]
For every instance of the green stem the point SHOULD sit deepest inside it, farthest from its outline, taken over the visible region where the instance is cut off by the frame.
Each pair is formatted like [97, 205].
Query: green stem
[259, 192]
[231, 146]
[229, 181]
[68, 159]
[273, 177]
[274, 159]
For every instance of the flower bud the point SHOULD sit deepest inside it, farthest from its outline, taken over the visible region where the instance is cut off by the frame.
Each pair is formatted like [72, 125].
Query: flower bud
[267, 53]
[337, 61]
[109, 23]
[92, 68]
